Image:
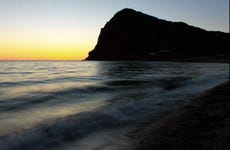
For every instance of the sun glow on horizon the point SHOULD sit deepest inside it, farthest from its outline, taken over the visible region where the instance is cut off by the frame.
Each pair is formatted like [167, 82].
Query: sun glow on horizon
[42, 52]
[46, 37]
[46, 44]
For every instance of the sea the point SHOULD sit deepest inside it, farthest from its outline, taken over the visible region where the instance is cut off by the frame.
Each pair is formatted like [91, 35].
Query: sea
[89, 105]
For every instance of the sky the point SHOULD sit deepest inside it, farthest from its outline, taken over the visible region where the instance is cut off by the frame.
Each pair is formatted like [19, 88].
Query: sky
[69, 29]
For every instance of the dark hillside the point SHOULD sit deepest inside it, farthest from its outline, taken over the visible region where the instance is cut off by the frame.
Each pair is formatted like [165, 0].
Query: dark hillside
[132, 35]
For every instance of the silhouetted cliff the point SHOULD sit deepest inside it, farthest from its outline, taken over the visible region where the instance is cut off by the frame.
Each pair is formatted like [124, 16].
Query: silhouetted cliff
[132, 35]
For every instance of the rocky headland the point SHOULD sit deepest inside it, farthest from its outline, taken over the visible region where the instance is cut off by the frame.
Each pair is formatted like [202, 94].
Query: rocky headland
[132, 35]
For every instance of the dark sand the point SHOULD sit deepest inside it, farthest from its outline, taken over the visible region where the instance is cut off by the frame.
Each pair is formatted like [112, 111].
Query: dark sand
[200, 124]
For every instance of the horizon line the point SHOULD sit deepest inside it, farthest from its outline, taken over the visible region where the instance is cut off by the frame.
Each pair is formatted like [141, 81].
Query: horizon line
[43, 60]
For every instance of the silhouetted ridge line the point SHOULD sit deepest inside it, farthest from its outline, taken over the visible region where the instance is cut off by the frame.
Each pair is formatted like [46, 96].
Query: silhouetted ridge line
[132, 35]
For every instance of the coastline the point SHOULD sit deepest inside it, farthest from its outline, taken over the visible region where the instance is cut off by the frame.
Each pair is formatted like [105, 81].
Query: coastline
[205, 60]
[198, 59]
[201, 123]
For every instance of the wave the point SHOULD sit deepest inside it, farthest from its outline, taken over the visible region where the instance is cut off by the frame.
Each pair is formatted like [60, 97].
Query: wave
[78, 93]
[60, 131]
[119, 113]
[41, 81]
[122, 111]
[50, 134]
[75, 94]
[206, 81]
[16, 72]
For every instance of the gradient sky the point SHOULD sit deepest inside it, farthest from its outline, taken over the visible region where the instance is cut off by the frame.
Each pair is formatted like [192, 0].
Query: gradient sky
[68, 29]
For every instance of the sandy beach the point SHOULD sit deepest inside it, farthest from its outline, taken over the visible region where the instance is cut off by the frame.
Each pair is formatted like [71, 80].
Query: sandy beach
[201, 123]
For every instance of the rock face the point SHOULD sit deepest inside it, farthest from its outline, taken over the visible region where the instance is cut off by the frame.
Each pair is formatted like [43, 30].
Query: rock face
[132, 35]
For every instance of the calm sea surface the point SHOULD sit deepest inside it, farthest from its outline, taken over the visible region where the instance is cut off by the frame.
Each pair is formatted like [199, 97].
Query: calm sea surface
[49, 104]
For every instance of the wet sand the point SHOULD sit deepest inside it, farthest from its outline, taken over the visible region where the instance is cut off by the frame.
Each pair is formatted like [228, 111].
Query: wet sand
[201, 123]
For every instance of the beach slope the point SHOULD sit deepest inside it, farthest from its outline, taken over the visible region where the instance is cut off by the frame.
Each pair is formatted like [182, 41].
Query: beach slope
[201, 124]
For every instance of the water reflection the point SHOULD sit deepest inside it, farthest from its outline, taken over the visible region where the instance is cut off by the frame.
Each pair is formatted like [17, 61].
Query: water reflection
[141, 73]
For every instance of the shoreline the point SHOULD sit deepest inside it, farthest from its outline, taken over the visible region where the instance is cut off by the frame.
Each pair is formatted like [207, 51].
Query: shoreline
[201, 123]
[198, 60]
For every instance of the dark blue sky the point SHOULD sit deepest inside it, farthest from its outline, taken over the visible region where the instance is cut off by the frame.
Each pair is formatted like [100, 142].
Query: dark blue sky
[208, 14]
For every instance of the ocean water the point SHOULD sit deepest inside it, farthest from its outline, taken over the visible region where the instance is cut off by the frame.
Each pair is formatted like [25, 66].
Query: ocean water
[85, 104]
